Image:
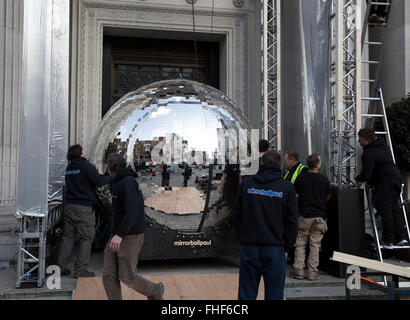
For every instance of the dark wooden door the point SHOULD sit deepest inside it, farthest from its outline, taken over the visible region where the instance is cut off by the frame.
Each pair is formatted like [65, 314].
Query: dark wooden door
[130, 63]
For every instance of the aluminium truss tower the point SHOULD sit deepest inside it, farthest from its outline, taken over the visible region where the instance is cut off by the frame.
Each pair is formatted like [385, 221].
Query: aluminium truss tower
[345, 87]
[270, 62]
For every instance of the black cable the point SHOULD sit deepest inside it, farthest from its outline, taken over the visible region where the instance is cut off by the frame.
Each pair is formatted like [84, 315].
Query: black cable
[195, 47]
[212, 19]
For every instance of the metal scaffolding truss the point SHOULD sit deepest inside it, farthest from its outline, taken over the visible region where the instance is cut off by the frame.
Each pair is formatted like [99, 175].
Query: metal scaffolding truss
[31, 244]
[270, 62]
[345, 103]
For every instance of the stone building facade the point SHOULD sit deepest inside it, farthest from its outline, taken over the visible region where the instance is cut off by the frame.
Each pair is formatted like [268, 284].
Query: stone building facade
[232, 25]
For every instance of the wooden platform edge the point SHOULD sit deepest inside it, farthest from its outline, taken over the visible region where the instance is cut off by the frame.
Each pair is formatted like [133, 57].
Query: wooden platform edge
[371, 264]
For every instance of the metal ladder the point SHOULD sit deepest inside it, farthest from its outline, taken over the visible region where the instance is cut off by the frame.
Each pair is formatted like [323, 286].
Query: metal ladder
[386, 133]
[374, 47]
[376, 107]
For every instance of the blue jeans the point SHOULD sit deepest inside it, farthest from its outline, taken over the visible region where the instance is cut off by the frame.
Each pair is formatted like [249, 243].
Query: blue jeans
[266, 261]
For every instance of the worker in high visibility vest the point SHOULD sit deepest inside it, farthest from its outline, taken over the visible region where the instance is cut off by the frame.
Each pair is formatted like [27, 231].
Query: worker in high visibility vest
[293, 165]
[294, 169]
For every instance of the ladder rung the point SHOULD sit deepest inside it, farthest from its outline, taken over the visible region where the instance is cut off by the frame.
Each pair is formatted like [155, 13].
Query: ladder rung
[380, 132]
[370, 62]
[377, 24]
[380, 3]
[371, 99]
[372, 115]
[368, 80]
[373, 43]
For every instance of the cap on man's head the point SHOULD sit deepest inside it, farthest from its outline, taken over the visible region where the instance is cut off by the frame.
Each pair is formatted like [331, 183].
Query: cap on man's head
[367, 133]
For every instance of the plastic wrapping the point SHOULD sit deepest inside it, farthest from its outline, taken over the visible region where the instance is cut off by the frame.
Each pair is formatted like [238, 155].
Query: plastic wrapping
[314, 32]
[43, 105]
[59, 97]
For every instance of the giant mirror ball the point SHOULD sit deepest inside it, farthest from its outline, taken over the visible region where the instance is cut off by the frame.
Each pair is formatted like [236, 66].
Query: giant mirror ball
[170, 132]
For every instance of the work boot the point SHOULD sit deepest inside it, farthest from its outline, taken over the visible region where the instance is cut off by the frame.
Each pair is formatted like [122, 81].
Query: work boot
[65, 272]
[160, 294]
[312, 276]
[373, 18]
[381, 20]
[402, 243]
[296, 274]
[387, 245]
[85, 274]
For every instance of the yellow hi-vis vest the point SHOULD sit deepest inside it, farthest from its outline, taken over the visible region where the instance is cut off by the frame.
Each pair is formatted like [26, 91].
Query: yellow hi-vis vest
[295, 174]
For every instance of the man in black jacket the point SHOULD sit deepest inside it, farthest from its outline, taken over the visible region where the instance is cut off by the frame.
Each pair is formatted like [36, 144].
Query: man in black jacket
[187, 173]
[266, 217]
[380, 171]
[81, 178]
[165, 175]
[127, 235]
[313, 191]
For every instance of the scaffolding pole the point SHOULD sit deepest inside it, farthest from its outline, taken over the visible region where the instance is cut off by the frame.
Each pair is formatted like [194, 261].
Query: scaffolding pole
[271, 100]
[345, 102]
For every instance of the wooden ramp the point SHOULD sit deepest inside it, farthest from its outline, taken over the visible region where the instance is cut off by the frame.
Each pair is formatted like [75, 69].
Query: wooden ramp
[371, 264]
[177, 287]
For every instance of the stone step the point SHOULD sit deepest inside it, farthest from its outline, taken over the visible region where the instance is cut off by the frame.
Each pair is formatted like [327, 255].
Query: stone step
[315, 293]
[64, 297]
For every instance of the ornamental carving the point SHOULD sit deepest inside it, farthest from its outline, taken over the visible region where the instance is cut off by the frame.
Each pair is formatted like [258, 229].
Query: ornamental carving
[238, 3]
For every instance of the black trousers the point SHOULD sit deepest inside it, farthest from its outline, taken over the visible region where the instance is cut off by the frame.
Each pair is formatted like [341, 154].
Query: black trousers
[186, 178]
[387, 202]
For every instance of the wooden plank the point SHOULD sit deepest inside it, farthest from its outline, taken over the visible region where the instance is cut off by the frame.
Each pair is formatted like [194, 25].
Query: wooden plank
[371, 264]
[177, 287]
[89, 289]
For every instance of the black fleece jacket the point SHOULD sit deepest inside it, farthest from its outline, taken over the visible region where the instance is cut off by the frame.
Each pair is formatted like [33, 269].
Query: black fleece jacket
[377, 164]
[127, 204]
[266, 209]
[81, 179]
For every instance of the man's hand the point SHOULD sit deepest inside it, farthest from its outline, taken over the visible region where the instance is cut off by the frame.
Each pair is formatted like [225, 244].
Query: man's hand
[115, 243]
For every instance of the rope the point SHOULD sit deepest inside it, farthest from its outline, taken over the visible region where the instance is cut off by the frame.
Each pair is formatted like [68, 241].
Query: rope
[195, 47]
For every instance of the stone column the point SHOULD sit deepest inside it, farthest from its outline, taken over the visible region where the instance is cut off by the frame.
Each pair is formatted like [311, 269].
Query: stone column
[10, 55]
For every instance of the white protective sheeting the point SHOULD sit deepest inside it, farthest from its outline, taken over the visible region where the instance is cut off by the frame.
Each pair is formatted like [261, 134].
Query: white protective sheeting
[314, 31]
[43, 137]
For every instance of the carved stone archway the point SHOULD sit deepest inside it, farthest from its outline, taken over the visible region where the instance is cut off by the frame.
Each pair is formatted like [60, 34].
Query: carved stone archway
[91, 18]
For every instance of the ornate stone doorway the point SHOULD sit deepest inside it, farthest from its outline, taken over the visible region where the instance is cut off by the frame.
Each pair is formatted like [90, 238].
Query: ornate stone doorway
[93, 20]
[130, 63]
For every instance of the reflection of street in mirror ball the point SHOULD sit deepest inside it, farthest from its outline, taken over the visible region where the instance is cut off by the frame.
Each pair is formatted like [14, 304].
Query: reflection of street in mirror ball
[171, 132]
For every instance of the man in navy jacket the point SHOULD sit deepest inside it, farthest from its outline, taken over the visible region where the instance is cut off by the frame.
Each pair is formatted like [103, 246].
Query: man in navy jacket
[127, 235]
[266, 217]
[81, 178]
[379, 170]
